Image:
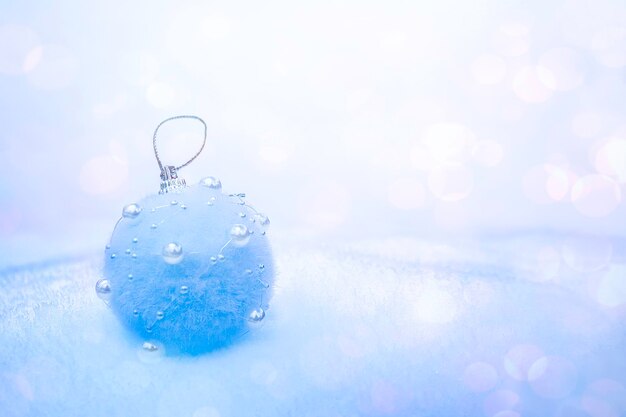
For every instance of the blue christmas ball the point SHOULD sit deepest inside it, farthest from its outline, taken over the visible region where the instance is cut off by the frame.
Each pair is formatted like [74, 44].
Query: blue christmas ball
[192, 270]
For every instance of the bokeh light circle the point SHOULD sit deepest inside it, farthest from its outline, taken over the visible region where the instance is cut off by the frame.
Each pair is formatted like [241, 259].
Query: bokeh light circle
[553, 377]
[611, 291]
[561, 69]
[512, 39]
[596, 195]
[488, 153]
[448, 143]
[546, 183]
[500, 401]
[587, 254]
[17, 42]
[451, 183]
[548, 264]
[519, 359]
[610, 159]
[530, 82]
[604, 398]
[480, 377]
[488, 69]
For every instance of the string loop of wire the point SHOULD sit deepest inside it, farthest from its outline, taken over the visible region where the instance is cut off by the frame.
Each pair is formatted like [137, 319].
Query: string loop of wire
[154, 138]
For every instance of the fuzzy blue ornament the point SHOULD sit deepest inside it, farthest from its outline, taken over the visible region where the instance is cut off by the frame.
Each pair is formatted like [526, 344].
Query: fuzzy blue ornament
[189, 269]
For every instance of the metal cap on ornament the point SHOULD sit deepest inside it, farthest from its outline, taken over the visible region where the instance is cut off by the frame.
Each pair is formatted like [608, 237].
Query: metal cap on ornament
[170, 183]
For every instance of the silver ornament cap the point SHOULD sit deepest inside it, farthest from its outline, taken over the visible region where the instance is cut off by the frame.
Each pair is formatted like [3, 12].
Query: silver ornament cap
[170, 183]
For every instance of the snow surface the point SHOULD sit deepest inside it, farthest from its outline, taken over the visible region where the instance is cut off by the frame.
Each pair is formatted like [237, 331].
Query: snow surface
[523, 326]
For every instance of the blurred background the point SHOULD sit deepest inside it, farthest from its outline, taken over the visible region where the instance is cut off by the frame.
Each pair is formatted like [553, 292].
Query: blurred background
[339, 119]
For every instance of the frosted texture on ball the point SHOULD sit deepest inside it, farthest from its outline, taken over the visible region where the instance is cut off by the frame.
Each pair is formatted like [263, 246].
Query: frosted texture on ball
[200, 301]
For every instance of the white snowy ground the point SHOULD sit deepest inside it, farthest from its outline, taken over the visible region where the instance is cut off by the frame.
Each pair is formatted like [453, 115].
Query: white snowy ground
[528, 326]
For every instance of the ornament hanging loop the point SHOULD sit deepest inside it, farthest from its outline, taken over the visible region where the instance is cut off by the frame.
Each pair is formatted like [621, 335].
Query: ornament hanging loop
[169, 173]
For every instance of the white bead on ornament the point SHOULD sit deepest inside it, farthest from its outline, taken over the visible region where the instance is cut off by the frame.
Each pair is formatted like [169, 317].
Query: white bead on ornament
[190, 268]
